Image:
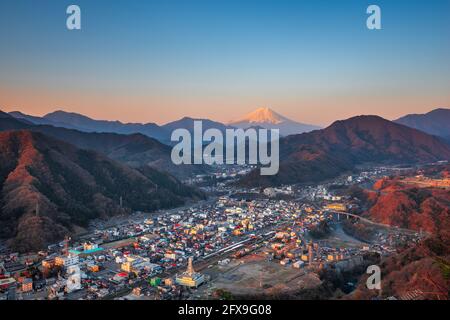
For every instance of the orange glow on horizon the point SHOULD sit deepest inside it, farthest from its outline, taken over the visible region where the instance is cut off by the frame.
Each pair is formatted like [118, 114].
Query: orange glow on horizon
[313, 110]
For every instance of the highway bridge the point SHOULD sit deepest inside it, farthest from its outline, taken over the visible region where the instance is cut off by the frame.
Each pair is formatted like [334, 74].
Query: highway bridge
[365, 220]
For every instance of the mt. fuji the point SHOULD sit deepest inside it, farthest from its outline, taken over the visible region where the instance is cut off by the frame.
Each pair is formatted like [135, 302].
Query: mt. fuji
[269, 119]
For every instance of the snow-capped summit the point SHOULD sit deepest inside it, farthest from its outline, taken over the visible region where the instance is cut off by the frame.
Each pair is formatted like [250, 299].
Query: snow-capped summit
[269, 119]
[263, 115]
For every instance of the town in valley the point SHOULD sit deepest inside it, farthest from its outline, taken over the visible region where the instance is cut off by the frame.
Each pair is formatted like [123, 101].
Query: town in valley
[238, 243]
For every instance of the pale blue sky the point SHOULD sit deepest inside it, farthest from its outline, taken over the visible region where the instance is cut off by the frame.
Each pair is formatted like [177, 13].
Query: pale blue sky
[313, 61]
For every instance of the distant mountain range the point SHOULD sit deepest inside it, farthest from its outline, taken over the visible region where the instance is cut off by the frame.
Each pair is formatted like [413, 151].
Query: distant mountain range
[436, 122]
[188, 124]
[307, 157]
[260, 118]
[48, 187]
[135, 150]
[7, 122]
[80, 122]
[74, 176]
[269, 119]
[326, 153]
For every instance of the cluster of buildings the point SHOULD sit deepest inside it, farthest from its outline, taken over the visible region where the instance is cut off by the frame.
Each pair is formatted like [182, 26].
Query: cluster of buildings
[291, 247]
[153, 256]
[160, 247]
[221, 175]
[273, 192]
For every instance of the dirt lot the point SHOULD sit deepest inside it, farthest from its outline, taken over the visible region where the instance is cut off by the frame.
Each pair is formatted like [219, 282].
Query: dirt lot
[255, 275]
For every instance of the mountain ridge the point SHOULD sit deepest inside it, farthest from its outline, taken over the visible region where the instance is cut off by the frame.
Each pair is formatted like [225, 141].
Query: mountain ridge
[188, 124]
[435, 122]
[77, 121]
[135, 150]
[326, 153]
[70, 186]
